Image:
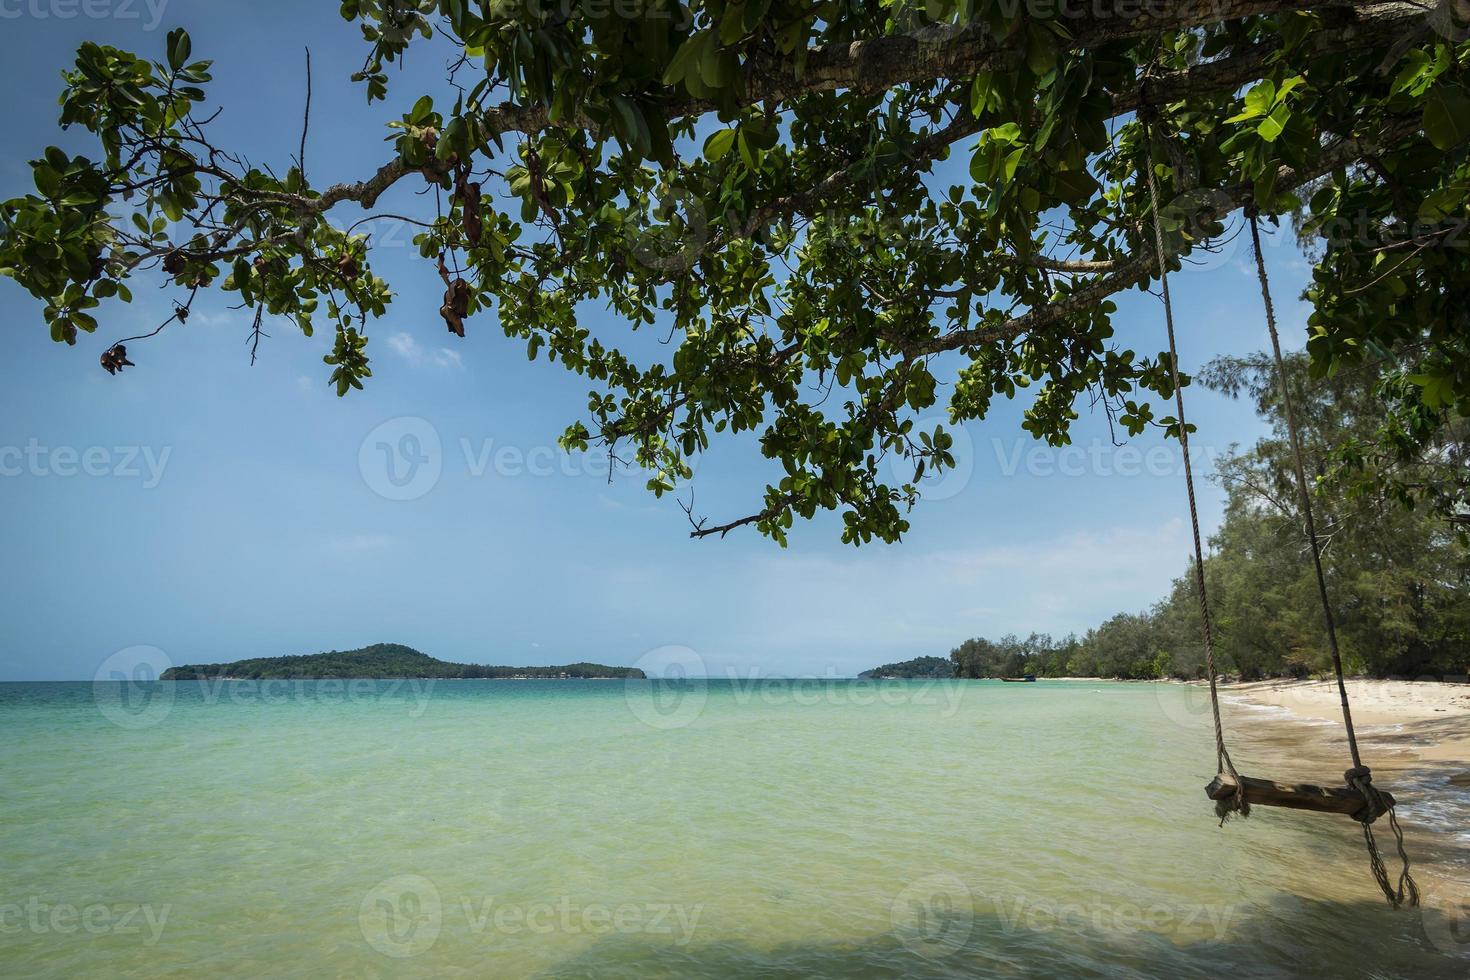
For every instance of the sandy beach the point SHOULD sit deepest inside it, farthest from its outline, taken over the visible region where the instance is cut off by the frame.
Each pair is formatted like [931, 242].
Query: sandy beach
[1427, 720]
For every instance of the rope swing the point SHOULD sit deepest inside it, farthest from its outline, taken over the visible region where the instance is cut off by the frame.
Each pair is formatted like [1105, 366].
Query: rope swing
[1232, 792]
[1235, 802]
[1360, 777]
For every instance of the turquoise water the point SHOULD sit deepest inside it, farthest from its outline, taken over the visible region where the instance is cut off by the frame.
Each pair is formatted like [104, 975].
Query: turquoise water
[566, 828]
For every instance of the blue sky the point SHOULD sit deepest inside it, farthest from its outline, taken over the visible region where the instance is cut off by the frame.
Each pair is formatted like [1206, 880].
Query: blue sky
[217, 510]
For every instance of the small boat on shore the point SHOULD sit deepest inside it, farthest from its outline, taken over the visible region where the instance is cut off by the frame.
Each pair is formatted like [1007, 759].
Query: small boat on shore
[1028, 679]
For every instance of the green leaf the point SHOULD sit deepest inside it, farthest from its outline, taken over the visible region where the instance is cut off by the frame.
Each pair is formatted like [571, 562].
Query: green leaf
[685, 60]
[1274, 124]
[1041, 51]
[179, 47]
[48, 181]
[981, 91]
[1013, 160]
[1447, 116]
[1258, 101]
[719, 144]
[1074, 186]
[1008, 133]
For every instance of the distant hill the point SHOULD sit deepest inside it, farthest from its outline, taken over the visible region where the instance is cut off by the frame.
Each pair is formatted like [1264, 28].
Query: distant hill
[381, 660]
[937, 667]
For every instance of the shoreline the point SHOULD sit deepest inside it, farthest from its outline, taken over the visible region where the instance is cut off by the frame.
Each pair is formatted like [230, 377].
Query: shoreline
[1426, 721]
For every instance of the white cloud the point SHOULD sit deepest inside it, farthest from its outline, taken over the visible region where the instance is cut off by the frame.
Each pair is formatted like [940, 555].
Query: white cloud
[221, 318]
[405, 346]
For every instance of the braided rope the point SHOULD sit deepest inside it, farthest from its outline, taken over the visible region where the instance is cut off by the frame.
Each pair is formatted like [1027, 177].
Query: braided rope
[1360, 777]
[1235, 803]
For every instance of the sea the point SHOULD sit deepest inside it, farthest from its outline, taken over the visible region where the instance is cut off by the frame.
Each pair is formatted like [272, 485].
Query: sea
[693, 828]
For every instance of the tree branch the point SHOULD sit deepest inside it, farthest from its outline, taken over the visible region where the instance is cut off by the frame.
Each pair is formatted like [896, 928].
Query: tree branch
[1144, 262]
[879, 64]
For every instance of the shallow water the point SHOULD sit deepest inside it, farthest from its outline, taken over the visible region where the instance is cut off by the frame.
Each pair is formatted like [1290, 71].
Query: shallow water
[579, 828]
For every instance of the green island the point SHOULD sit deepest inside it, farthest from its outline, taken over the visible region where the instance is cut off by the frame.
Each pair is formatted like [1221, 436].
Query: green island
[920, 667]
[384, 661]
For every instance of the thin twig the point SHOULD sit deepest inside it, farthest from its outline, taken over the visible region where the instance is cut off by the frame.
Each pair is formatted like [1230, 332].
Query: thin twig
[306, 120]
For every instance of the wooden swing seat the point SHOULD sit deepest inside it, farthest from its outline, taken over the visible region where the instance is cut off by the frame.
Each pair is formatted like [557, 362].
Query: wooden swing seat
[1295, 796]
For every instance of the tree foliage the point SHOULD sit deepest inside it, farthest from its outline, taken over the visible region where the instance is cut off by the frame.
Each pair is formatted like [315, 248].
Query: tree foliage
[919, 667]
[754, 180]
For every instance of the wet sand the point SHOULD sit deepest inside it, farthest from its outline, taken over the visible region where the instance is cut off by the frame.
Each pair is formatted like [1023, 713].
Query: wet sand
[1428, 720]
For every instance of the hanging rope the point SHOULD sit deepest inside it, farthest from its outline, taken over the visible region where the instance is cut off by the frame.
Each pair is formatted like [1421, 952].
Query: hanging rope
[1360, 777]
[1235, 803]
